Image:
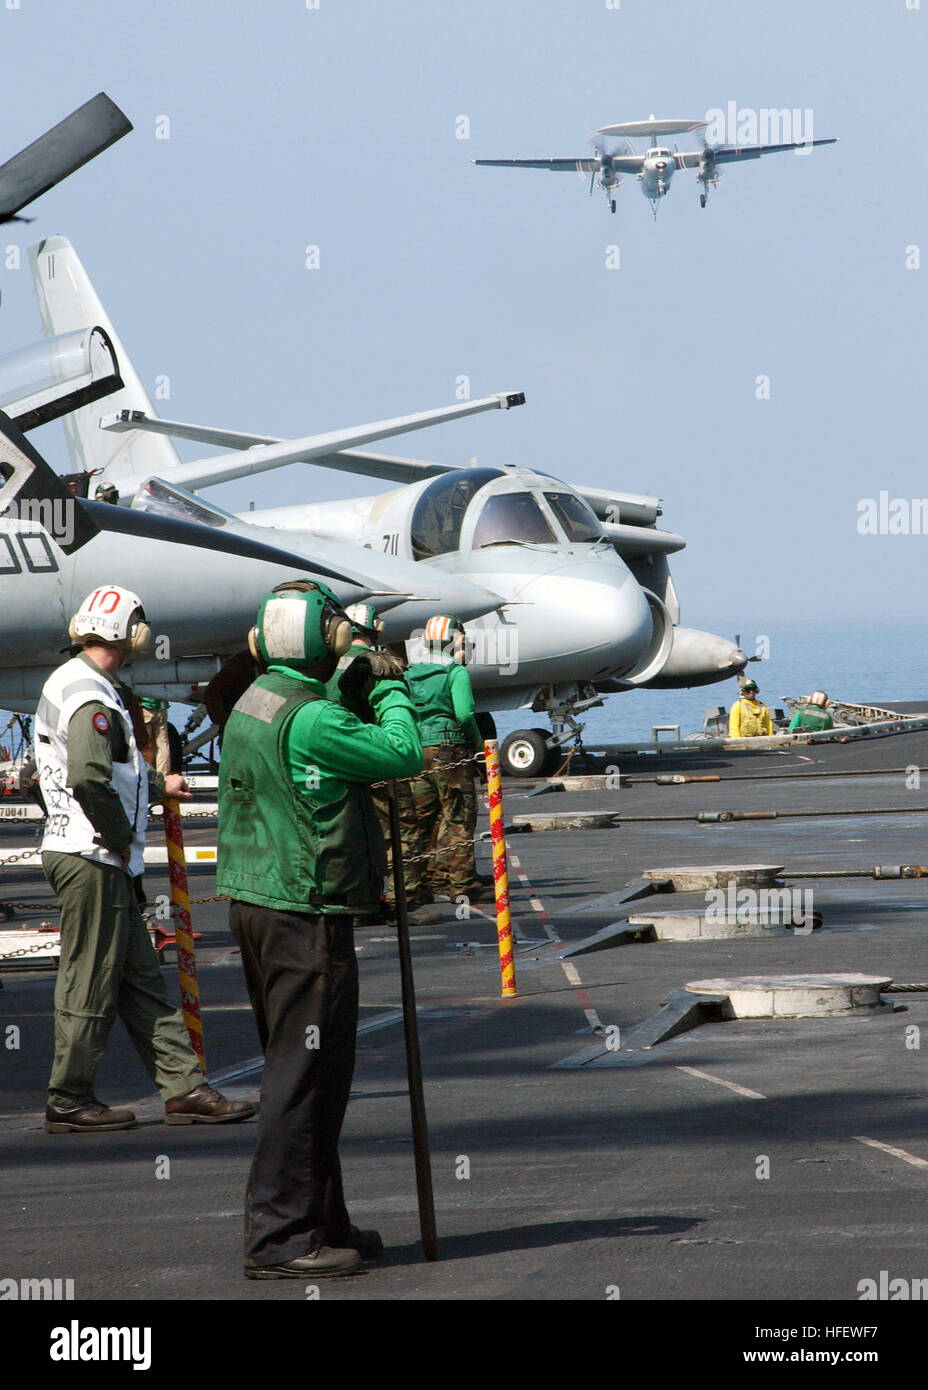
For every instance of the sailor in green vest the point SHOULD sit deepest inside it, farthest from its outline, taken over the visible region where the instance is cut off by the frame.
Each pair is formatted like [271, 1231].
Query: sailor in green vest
[301, 856]
[813, 716]
[445, 794]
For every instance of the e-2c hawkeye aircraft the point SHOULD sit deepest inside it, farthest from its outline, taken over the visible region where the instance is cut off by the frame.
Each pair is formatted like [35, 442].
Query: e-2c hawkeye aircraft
[614, 159]
[577, 598]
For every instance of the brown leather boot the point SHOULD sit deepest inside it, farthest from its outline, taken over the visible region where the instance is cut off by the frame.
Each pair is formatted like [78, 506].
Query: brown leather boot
[88, 1118]
[204, 1106]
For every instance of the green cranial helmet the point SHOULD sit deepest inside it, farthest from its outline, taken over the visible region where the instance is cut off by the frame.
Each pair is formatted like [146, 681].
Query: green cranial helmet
[444, 633]
[364, 619]
[300, 624]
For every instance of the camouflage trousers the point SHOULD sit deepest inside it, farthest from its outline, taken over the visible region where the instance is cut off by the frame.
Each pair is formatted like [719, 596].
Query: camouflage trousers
[438, 818]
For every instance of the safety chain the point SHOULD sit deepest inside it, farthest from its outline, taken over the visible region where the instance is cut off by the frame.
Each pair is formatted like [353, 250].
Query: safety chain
[442, 767]
[41, 948]
[432, 853]
[26, 854]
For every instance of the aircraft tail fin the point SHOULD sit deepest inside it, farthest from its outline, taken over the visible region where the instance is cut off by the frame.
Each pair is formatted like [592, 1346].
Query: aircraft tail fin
[68, 301]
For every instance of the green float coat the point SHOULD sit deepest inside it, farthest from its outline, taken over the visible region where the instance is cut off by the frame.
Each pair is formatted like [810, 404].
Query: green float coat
[308, 841]
[444, 700]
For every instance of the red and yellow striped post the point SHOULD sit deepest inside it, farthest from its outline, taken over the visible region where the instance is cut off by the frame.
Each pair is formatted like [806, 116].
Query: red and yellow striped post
[183, 931]
[500, 870]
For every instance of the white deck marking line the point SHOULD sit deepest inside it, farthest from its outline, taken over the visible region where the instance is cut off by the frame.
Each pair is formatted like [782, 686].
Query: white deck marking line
[535, 902]
[256, 1064]
[890, 1149]
[573, 975]
[569, 969]
[729, 1085]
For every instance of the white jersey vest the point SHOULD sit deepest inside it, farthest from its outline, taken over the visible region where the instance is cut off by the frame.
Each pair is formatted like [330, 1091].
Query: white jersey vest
[67, 830]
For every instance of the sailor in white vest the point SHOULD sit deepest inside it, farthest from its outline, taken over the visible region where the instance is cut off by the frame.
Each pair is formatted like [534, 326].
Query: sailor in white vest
[97, 789]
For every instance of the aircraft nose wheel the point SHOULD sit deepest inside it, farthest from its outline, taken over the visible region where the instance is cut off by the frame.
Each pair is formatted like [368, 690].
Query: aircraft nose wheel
[526, 754]
[612, 204]
[703, 200]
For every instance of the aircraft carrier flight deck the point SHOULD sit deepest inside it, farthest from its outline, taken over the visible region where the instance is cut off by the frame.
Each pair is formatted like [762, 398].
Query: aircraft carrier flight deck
[599, 1135]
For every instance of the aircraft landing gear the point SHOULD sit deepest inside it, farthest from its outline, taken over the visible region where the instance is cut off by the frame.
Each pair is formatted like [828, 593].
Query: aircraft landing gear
[539, 752]
[612, 205]
[703, 200]
[526, 754]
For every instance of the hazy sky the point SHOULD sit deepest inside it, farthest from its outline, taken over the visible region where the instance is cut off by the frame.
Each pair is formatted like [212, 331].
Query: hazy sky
[337, 127]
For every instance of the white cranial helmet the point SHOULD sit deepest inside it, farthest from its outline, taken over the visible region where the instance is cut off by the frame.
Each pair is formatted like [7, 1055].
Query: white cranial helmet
[113, 615]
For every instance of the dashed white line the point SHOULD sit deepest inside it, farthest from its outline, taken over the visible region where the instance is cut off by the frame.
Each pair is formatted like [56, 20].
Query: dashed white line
[892, 1150]
[729, 1085]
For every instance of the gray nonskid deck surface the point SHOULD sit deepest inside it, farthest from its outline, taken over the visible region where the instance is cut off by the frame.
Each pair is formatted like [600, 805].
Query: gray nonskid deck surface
[740, 1160]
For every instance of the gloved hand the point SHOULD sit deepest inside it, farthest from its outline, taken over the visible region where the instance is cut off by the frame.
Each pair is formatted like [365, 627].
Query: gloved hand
[364, 673]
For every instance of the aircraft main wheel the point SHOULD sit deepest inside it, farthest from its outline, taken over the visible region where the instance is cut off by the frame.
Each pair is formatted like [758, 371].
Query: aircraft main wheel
[524, 753]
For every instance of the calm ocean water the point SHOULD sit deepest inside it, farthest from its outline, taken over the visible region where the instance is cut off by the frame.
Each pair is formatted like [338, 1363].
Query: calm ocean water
[871, 664]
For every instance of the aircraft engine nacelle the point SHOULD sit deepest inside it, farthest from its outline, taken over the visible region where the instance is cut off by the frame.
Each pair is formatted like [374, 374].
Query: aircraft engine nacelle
[698, 658]
[656, 654]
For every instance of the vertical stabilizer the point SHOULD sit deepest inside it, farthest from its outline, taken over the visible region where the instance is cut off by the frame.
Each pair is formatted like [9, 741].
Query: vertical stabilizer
[68, 301]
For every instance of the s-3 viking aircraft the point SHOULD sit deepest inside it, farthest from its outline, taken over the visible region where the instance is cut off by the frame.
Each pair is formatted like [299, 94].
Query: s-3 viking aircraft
[614, 158]
[577, 595]
[200, 572]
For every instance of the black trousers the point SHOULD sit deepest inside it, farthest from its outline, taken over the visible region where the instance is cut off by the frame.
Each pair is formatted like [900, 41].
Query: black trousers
[302, 978]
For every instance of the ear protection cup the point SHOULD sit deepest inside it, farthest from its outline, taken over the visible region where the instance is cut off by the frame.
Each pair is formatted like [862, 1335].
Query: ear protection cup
[338, 635]
[139, 637]
[72, 630]
[253, 643]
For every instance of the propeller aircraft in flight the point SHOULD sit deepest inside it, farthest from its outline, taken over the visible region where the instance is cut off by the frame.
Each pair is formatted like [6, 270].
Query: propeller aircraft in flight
[614, 159]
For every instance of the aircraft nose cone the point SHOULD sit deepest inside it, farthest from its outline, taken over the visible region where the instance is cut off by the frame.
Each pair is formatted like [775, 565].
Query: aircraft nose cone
[594, 614]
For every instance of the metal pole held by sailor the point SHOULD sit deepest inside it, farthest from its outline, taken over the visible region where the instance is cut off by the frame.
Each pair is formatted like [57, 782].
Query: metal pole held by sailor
[420, 1133]
[183, 931]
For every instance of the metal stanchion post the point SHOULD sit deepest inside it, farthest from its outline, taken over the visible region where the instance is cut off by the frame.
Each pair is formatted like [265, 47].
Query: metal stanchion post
[500, 870]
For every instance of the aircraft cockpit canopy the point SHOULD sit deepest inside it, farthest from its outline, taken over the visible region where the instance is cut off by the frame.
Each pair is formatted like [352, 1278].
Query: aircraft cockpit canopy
[509, 513]
[576, 518]
[438, 515]
[512, 516]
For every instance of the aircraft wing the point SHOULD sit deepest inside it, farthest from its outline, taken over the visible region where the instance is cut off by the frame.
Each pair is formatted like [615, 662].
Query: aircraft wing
[74, 141]
[733, 154]
[587, 165]
[264, 454]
